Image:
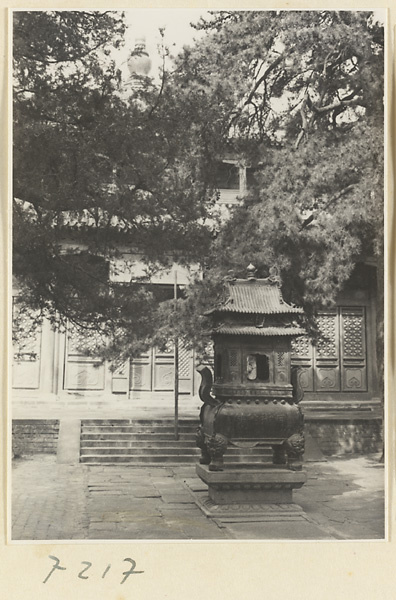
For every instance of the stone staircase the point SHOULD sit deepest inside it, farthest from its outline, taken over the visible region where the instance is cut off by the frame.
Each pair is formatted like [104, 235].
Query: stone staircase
[150, 442]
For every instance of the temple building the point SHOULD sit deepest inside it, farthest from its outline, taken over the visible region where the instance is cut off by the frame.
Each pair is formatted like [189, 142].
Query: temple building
[342, 401]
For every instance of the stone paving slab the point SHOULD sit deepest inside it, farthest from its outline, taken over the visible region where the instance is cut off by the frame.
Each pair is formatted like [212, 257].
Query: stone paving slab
[346, 496]
[278, 530]
[177, 498]
[179, 509]
[342, 499]
[48, 500]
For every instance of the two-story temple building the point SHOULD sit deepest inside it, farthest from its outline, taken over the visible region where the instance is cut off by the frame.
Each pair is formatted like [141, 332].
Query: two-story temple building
[342, 400]
[342, 403]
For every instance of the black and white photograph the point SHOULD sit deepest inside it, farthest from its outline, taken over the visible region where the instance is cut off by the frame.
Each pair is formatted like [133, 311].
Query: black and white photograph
[198, 289]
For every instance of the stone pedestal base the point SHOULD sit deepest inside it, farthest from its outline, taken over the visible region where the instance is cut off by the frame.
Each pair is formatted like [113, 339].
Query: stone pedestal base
[255, 486]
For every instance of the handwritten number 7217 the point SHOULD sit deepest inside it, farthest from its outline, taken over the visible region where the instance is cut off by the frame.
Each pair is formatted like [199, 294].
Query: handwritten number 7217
[57, 567]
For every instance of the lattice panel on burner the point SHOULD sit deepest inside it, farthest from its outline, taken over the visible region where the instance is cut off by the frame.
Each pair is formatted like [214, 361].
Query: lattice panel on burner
[281, 359]
[233, 354]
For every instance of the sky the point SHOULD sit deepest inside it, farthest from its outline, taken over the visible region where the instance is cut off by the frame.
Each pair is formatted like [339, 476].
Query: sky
[178, 32]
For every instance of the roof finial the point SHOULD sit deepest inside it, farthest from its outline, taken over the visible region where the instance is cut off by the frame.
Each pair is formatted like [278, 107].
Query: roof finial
[251, 272]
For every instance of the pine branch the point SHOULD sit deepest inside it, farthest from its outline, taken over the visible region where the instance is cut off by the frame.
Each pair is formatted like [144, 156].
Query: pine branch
[343, 192]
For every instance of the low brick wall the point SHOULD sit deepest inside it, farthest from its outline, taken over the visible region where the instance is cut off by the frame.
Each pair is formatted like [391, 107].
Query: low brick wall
[338, 437]
[31, 436]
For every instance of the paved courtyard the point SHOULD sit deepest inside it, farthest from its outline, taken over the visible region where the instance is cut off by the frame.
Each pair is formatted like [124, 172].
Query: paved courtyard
[343, 499]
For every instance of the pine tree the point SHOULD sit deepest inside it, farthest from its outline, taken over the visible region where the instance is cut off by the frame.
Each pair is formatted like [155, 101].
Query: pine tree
[98, 169]
[302, 97]
[295, 96]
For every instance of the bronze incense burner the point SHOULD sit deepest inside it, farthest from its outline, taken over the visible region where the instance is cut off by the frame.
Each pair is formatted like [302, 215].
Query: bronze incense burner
[253, 400]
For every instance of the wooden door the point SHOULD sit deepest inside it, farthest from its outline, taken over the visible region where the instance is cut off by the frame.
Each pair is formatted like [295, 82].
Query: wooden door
[84, 373]
[302, 357]
[164, 368]
[338, 361]
[141, 373]
[154, 371]
[353, 349]
[327, 354]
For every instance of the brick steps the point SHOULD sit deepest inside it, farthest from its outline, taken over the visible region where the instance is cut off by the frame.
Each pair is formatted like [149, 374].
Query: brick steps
[150, 442]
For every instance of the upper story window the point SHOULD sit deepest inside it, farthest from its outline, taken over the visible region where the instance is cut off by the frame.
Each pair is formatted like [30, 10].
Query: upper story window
[86, 263]
[227, 176]
[234, 180]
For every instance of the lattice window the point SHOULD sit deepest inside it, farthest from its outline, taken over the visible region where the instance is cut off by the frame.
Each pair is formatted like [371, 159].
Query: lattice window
[184, 361]
[26, 334]
[327, 345]
[353, 335]
[83, 341]
[301, 346]
[168, 348]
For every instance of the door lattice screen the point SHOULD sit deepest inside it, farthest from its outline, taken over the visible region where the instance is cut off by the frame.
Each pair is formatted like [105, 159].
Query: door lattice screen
[338, 361]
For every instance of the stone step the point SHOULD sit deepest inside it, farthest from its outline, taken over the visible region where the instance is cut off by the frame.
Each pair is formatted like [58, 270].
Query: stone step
[136, 429]
[161, 444]
[113, 441]
[141, 422]
[137, 450]
[137, 459]
[159, 459]
[166, 437]
[155, 451]
[126, 442]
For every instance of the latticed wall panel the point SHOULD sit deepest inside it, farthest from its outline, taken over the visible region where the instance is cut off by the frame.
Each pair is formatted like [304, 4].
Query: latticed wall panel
[353, 350]
[26, 349]
[184, 361]
[338, 361]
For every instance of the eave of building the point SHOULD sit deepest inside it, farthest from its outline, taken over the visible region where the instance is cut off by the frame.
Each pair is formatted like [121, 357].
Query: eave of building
[259, 331]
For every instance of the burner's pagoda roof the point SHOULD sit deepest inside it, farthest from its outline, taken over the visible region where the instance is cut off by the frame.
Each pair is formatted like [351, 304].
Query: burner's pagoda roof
[255, 296]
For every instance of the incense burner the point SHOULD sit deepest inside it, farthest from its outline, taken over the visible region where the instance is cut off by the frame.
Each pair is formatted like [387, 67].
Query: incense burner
[254, 398]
